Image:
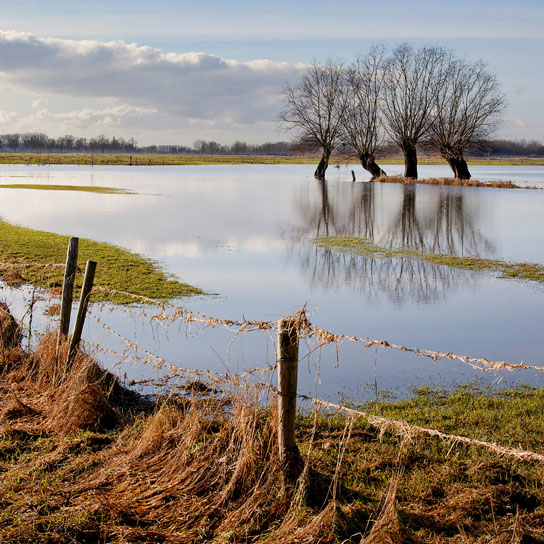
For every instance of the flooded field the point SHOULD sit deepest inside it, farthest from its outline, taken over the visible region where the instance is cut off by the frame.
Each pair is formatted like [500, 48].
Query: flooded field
[245, 234]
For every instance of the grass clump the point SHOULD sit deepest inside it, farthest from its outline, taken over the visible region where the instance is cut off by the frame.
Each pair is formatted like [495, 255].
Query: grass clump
[84, 460]
[78, 188]
[117, 268]
[453, 182]
[366, 248]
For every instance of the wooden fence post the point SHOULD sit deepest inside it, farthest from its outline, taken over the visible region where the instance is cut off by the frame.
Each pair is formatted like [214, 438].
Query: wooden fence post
[81, 311]
[67, 290]
[287, 401]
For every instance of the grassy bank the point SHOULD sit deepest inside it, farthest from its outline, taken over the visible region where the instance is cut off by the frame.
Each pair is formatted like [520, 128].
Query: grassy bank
[84, 460]
[504, 269]
[23, 252]
[159, 160]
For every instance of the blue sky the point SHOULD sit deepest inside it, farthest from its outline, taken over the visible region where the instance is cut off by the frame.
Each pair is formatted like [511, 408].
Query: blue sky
[177, 99]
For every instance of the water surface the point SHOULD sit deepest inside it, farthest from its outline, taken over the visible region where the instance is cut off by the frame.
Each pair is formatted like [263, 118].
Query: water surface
[245, 233]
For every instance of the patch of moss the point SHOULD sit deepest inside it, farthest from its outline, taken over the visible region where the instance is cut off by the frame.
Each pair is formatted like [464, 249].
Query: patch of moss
[117, 268]
[362, 246]
[80, 188]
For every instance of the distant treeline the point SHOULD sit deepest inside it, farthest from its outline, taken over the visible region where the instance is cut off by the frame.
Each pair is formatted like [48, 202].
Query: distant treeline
[35, 142]
[510, 148]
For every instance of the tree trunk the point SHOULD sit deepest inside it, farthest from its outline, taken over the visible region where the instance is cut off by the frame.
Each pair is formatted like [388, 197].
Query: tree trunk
[462, 168]
[369, 164]
[410, 159]
[323, 164]
[458, 165]
[453, 165]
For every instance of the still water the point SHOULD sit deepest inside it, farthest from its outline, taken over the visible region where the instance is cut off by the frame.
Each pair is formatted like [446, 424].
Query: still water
[244, 234]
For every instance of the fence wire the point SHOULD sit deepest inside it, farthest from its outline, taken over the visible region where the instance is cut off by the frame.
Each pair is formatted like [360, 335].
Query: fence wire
[169, 313]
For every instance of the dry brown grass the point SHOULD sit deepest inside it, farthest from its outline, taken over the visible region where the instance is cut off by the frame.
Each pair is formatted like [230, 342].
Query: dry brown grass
[113, 469]
[453, 182]
[84, 460]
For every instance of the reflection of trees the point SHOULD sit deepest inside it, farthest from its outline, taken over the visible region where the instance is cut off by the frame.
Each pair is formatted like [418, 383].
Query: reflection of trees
[438, 221]
[401, 279]
[444, 224]
[321, 217]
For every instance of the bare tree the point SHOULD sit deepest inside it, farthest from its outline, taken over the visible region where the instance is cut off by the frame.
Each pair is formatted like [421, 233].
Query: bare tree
[412, 78]
[467, 110]
[315, 109]
[363, 126]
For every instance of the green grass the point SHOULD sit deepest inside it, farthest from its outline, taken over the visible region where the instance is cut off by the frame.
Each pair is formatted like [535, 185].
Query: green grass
[147, 160]
[508, 416]
[82, 188]
[157, 160]
[362, 246]
[117, 268]
[504, 161]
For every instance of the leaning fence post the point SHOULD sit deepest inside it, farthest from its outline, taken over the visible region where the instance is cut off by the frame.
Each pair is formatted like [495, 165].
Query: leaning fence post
[81, 310]
[67, 290]
[287, 396]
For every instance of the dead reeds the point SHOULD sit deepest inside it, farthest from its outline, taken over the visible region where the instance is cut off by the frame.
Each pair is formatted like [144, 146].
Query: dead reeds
[84, 460]
[453, 182]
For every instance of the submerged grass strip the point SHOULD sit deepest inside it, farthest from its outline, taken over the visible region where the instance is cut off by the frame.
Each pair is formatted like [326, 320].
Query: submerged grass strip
[80, 188]
[364, 247]
[117, 268]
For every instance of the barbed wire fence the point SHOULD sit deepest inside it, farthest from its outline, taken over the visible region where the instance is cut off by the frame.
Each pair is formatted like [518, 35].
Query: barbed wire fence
[290, 331]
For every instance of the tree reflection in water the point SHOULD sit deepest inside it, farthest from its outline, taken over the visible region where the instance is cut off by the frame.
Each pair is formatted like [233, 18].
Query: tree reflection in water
[434, 220]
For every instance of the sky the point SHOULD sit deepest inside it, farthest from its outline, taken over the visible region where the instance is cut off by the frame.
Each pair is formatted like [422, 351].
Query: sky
[171, 72]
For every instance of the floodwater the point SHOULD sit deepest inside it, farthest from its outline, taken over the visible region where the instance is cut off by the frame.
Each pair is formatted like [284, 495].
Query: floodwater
[244, 234]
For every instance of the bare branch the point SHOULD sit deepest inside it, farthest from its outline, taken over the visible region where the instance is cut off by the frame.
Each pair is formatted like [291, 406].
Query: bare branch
[315, 108]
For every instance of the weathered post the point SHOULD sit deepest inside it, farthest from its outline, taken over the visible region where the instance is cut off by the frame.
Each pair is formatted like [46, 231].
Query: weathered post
[287, 401]
[67, 290]
[81, 311]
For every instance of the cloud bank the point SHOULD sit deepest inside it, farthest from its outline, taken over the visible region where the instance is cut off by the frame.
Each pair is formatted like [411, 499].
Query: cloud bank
[141, 81]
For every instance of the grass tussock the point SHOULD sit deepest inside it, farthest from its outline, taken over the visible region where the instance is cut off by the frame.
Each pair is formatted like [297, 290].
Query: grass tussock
[453, 182]
[84, 460]
[366, 248]
[76, 188]
[117, 268]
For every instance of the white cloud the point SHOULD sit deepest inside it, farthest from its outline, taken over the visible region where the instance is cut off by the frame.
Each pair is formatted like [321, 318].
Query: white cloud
[39, 103]
[189, 85]
[89, 115]
[7, 116]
